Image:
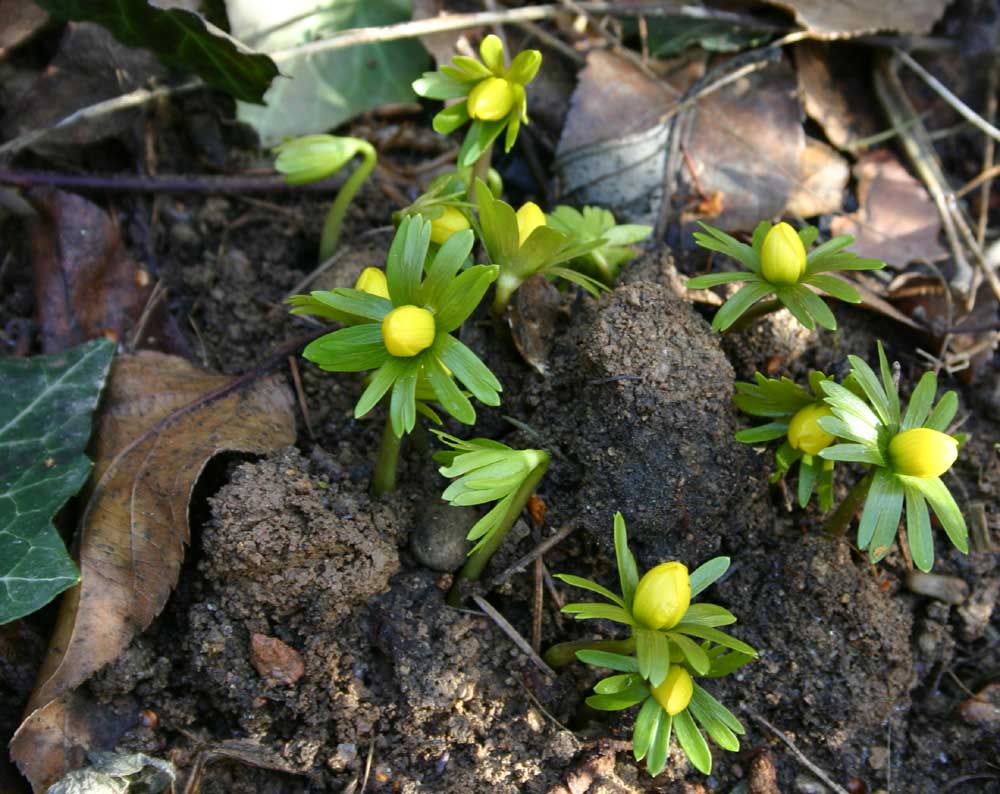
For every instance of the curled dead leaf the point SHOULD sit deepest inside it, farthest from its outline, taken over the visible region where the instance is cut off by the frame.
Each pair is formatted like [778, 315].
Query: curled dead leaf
[840, 20]
[163, 420]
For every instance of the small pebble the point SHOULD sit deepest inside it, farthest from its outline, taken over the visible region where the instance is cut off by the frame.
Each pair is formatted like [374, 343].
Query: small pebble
[984, 708]
[275, 660]
[438, 539]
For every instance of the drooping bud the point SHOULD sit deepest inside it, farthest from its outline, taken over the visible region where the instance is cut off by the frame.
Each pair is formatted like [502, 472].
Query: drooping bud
[407, 330]
[662, 596]
[675, 691]
[372, 280]
[529, 218]
[922, 452]
[451, 220]
[782, 256]
[804, 432]
[491, 99]
[313, 157]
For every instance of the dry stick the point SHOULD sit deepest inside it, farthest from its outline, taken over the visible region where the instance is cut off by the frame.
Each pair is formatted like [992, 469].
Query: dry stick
[799, 755]
[129, 183]
[957, 104]
[537, 605]
[293, 365]
[892, 96]
[513, 634]
[972, 184]
[552, 42]
[988, 151]
[532, 555]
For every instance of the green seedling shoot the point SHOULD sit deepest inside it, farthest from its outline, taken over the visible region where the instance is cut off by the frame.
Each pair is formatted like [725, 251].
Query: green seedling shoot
[777, 264]
[672, 643]
[604, 262]
[316, 157]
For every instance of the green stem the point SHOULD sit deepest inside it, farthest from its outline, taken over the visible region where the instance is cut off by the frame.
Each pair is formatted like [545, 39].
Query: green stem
[563, 653]
[506, 286]
[837, 523]
[476, 561]
[480, 170]
[384, 480]
[335, 217]
[755, 312]
[603, 268]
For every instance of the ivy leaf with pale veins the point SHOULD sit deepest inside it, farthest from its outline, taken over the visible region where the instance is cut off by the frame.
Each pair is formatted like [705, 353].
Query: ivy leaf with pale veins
[44, 429]
[179, 38]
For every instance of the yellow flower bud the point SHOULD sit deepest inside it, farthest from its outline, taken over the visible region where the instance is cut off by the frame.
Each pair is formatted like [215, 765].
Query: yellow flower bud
[804, 432]
[372, 280]
[407, 330]
[922, 452]
[446, 224]
[782, 257]
[675, 692]
[662, 596]
[491, 99]
[529, 218]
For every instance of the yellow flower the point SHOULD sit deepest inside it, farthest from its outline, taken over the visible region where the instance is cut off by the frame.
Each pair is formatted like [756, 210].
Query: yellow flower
[922, 452]
[491, 99]
[675, 692]
[451, 220]
[407, 330]
[782, 256]
[662, 596]
[804, 432]
[529, 218]
[372, 280]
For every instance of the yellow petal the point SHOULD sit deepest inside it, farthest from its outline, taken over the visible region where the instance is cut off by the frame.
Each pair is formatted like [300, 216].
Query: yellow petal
[782, 256]
[675, 692]
[491, 99]
[922, 452]
[446, 224]
[529, 218]
[372, 280]
[407, 330]
[804, 432]
[662, 596]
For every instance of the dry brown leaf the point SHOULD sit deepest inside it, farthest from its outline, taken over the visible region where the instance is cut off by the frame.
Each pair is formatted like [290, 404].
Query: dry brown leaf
[896, 221]
[158, 430]
[534, 312]
[837, 20]
[22, 20]
[823, 176]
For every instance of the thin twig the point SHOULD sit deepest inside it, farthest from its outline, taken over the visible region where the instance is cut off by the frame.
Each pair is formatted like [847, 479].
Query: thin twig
[972, 184]
[513, 634]
[537, 605]
[130, 183]
[552, 42]
[823, 776]
[293, 365]
[992, 79]
[157, 294]
[532, 555]
[957, 104]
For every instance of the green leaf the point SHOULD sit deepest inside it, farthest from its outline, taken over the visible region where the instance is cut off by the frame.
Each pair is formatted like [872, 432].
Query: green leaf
[718, 240]
[659, 747]
[653, 653]
[447, 393]
[707, 574]
[480, 135]
[613, 661]
[920, 402]
[693, 653]
[760, 234]
[467, 367]
[762, 433]
[945, 508]
[792, 299]
[918, 530]
[181, 39]
[354, 349]
[440, 85]
[463, 295]
[709, 704]
[854, 453]
[499, 225]
[715, 279]
[380, 383]
[834, 286]
[447, 262]
[619, 700]
[713, 635]
[592, 285]
[943, 412]
[815, 305]
[355, 302]
[628, 572]
[647, 722]
[586, 584]
[669, 37]
[614, 684]
[831, 246]
[807, 479]
[599, 612]
[449, 119]
[403, 401]
[693, 743]
[882, 506]
[733, 308]
[45, 423]
[727, 663]
[710, 615]
[872, 388]
[321, 91]
[714, 727]
[889, 385]
[807, 235]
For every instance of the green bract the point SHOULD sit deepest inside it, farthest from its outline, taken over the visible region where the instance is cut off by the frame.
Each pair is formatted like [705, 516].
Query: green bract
[544, 250]
[716, 655]
[780, 401]
[868, 430]
[488, 471]
[798, 297]
[448, 295]
[493, 87]
[597, 224]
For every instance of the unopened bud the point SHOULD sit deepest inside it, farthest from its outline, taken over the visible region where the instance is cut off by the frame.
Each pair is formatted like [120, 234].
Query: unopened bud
[372, 280]
[675, 692]
[922, 452]
[408, 330]
[529, 218]
[662, 596]
[491, 99]
[782, 256]
[804, 432]
[451, 220]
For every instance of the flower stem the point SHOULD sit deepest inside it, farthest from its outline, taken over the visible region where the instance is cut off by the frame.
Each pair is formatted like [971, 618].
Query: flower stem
[837, 523]
[335, 217]
[563, 653]
[506, 285]
[480, 170]
[755, 312]
[477, 560]
[384, 480]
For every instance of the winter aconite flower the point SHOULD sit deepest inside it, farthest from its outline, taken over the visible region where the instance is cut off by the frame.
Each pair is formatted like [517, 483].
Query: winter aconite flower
[906, 453]
[777, 264]
[794, 413]
[406, 336]
[492, 94]
[675, 691]
[450, 220]
[373, 281]
[529, 218]
[662, 596]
